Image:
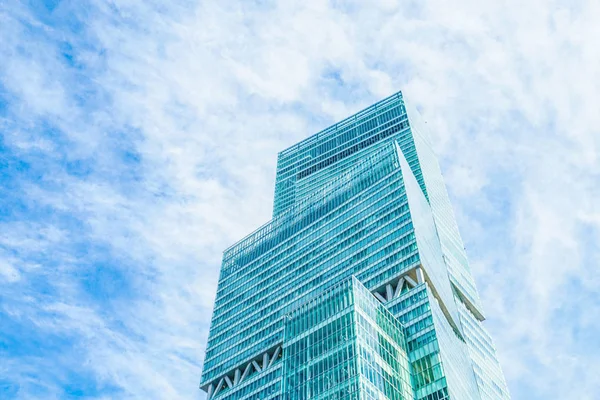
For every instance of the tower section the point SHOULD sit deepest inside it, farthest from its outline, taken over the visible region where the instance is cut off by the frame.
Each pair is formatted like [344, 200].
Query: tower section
[359, 286]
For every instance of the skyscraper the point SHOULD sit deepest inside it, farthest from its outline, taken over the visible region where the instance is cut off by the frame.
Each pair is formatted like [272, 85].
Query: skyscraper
[359, 287]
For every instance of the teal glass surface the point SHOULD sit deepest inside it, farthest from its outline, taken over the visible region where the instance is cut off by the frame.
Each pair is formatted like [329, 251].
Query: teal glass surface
[359, 287]
[345, 345]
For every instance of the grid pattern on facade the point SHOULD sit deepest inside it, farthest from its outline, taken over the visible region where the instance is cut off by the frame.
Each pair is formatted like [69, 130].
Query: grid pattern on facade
[362, 228]
[339, 147]
[449, 237]
[359, 288]
[343, 338]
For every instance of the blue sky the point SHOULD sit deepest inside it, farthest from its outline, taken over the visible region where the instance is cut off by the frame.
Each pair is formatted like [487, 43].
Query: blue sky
[139, 139]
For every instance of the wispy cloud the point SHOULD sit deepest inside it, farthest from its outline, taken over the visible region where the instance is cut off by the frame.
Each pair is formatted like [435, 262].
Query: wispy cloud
[139, 140]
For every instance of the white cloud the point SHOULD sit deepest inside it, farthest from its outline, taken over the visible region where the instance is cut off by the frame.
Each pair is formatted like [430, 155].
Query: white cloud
[205, 94]
[8, 272]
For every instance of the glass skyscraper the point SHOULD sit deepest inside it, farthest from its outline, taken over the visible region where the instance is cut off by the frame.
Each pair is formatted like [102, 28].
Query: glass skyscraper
[359, 287]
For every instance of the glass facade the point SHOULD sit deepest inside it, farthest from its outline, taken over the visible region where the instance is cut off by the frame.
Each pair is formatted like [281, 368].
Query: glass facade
[345, 344]
[359, 287]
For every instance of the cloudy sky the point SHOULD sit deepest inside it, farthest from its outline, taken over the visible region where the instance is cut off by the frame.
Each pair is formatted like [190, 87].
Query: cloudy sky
[139, 139]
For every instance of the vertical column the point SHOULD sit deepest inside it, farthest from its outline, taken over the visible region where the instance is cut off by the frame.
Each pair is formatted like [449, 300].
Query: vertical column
[420, 275]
